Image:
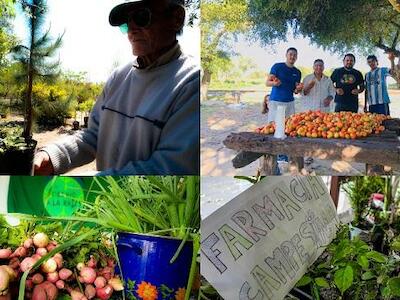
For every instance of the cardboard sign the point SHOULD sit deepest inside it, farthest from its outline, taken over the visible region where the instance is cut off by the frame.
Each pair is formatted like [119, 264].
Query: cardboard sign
[261, 243]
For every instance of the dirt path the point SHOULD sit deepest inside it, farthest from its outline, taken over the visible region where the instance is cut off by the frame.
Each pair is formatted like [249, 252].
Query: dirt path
[218, 119]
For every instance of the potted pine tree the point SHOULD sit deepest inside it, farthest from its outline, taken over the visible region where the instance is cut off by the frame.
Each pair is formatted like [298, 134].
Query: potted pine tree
[35, 58]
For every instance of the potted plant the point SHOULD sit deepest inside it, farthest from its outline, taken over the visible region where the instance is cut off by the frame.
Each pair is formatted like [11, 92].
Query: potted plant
[34, 59]
[350, 269]
[158, 221]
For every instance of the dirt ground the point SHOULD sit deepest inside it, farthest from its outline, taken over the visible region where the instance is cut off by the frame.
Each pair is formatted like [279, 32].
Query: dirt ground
[47, 137]
[219, 118]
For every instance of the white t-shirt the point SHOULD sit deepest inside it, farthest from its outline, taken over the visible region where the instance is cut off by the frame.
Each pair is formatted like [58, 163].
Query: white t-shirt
[314, 100]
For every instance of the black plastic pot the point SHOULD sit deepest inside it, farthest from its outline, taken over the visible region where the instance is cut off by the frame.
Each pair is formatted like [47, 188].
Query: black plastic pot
[85, 121]
[75, 125]
[18, 161]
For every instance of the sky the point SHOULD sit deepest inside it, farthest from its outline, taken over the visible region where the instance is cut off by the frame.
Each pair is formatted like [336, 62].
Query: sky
[90, 44]
[265, 57]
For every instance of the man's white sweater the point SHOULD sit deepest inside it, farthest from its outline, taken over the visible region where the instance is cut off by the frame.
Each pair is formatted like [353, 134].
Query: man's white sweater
[146, 121]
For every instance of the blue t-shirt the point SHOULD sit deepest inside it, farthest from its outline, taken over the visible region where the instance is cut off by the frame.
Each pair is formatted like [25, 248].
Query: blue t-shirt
[288, 76]
[376, 86]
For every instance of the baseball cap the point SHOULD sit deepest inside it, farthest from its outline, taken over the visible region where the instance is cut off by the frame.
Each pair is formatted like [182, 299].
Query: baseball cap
[119, 14]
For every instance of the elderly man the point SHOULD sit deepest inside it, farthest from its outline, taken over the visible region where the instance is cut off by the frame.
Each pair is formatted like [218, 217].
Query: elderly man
[318, 89]
[349, 82]
[146, 121]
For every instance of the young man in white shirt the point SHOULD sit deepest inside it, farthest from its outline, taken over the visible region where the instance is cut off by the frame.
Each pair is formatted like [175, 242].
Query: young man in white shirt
[318, 90]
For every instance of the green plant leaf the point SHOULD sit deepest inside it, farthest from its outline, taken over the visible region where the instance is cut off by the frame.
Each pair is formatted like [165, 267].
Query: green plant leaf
[305, 280]
[367, 275]
[344, 278]
[363, 261]
[315, 292]
[321, 282]
[376, 256]
[394, 286]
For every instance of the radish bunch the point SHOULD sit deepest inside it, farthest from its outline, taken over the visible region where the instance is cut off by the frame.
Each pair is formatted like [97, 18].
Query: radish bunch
[52, 277]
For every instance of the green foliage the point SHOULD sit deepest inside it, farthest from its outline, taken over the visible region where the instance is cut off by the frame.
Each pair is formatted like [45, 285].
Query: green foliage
[359, 190]
[336, 25]
[352, 269]
[7, 40]
[220, 22]
[37, 55]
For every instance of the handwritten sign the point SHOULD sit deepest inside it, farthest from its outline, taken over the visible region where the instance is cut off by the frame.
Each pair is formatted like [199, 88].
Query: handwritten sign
[260, 244]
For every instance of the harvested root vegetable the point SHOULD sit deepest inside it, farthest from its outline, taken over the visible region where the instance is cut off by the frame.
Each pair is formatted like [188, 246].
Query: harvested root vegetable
[100, 282]
[20, 252]
[60, 284]
[76, 295]
[49, 266]
[36, 257]
[11, 273]
[28, 243]
[59, 261]
[37, 278]
[29, 285]
[88, 275]
[41, 251]
[90, 291]
[45, 291]
[14, 263]
[80, 266]
[53, 277]
[41, 240]
[107, 273]
[4, 282]
[92, 263]
[116, 284]
[105, 292]
[52, 245]
[64, 274]
[5, 253]
[27, 264]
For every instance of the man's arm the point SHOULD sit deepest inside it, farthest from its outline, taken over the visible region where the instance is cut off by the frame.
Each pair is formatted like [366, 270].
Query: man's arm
[179, 147]
[366, 97]
[272, 79]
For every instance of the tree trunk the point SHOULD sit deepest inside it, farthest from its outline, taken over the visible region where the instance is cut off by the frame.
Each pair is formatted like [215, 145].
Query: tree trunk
[205, 82]
[28, 100]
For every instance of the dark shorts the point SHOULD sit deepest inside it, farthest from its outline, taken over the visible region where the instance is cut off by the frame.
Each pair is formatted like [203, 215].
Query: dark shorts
[346, 107]
[380, 109]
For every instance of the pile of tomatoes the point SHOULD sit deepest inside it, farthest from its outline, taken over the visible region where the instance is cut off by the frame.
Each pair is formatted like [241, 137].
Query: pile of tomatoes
[316, 124]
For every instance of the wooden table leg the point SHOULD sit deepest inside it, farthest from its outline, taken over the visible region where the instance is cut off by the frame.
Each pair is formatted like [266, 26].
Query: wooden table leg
[269, 165]
[374, 170]
[296, 164]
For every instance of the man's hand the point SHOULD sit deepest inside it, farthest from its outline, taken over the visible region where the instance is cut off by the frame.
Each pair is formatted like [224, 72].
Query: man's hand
[299, 87]
[327, 101]
[42, 164]
[365, 109]
[339, 91]
[355, 92]
[276, 81]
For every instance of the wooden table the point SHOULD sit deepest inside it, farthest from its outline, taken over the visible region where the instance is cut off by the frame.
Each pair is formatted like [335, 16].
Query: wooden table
[375, 150]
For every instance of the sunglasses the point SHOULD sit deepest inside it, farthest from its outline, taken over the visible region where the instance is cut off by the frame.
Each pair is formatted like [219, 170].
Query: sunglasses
[141, 17]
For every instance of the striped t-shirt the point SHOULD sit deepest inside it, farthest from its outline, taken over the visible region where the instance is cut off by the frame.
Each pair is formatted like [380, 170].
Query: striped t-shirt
[376, 86]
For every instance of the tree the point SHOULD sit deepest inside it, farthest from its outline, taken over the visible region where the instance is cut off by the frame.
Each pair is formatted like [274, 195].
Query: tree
[37, 55]
[7, 40]
[220, 21]
[336, 25]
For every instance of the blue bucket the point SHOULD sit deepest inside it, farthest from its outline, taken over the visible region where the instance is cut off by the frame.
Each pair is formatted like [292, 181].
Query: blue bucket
[146, 268]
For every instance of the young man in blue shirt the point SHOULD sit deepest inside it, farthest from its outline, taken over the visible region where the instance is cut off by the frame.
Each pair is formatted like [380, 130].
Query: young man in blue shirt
[285, 79]
[376, 93]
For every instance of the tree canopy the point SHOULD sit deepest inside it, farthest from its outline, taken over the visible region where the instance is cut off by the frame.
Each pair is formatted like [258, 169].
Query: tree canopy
[335, 25]
[7, 40]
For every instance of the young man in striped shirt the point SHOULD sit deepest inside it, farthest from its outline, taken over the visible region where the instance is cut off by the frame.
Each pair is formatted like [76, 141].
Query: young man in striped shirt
[376, 93]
